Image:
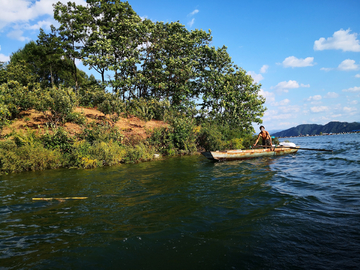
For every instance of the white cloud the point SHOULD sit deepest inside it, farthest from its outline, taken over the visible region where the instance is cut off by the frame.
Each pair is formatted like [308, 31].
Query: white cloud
[348, 64]
[17, 34]
[292, 61]
[20, 11]
[285, 86]
[257, 77]
[331, 95]
[268, 95]
[281, 103]
[194, 12]
[341, 40]
[282, 116]
[292, 109]
[264, 69]
[352, 89]
[357, 76]
[314, 98]
[40, 24]
[349, 109]
[319, 109]
[305, 85]
[353, 102]
[4, 58]
[326, 69]
[191, 22]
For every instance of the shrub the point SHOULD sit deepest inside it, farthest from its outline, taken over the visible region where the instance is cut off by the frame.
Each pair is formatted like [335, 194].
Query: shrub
[108, 153]
[182, 133]
[59, 101]
[27, 157]
[79, 157]
[91, 96]
[138, 153]
[113, 106]
[76, 117]
[86, 155]
[235, 143]
[210, 138]
[102, 131]
[15, 98]
[148, 109]
[57, 139]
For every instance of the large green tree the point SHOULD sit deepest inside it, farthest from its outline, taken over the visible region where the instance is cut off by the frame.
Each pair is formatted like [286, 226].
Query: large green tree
[158, 60]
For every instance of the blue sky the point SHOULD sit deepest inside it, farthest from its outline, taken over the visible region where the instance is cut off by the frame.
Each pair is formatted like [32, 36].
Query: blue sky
[305, 54]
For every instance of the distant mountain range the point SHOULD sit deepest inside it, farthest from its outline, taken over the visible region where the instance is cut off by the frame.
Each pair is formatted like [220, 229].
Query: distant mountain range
[313, 129]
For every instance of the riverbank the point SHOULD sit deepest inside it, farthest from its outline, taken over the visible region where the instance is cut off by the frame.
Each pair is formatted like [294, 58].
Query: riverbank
[90, 139]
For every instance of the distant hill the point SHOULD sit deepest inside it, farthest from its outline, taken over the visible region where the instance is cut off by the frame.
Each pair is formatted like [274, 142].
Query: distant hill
[313, 129]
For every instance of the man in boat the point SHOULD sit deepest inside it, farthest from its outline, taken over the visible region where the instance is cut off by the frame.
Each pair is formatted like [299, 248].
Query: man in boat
[266, 138]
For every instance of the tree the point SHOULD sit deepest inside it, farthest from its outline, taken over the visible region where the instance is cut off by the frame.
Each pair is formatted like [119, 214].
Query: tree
[117, 34]
[171, 61]
[71, 31]
[52, 56]
[229, 96]
[3, 73]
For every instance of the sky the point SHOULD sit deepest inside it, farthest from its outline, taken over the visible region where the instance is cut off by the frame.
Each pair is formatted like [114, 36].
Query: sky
[305, 54]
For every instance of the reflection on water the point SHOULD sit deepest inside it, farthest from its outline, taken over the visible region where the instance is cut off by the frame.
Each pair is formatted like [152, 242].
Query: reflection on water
[299, 210]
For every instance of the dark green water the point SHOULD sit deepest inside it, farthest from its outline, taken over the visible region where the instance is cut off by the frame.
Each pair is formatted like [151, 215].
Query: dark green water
[298, 211]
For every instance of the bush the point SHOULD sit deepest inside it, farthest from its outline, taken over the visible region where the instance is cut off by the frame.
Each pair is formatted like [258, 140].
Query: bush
[138, 153]
[15, 98]
[76, 117]
[91, 96]
[182, 134]
[29, 157]
[210, 138]
[86, 155]
[108, 153]
[113, 106]
[148, 109]
[102, 131]
[180, 137]
[59, 101]
[58, 138]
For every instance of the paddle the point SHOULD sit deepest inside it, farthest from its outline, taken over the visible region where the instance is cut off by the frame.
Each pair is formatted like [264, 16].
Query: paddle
[280, 146]
[325, 150]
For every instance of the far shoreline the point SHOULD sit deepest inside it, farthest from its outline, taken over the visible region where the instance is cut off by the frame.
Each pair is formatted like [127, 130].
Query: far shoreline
[324, 134]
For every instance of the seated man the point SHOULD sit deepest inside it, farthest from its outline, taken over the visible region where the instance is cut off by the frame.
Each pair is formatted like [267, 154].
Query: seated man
[266, 138]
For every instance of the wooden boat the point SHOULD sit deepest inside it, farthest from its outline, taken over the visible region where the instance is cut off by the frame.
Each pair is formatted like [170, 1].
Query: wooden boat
[247, 154]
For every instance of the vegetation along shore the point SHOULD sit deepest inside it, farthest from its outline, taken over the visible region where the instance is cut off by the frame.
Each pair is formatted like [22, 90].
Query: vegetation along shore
[163, 90]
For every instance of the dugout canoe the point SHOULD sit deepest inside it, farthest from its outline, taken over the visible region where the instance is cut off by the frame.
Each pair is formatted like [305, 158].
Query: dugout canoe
[247, 154]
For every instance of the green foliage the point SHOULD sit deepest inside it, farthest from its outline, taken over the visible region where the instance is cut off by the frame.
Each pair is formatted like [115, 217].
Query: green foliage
[140, 152]
[148, 109]
[15, 98]
[58, 138]
[86, 155]
[161, 140]
[183, 135]
[210, 138]
[76, 117]
[59, 101]
[28, 157]
[180, 137]
[3, 73]
[112, 105]
[100, 132]
[91, 96]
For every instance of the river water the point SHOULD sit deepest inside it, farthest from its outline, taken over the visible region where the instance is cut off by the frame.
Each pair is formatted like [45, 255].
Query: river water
[298, 211]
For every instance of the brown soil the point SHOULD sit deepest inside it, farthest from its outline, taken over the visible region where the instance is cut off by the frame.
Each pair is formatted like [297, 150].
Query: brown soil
[129, 127]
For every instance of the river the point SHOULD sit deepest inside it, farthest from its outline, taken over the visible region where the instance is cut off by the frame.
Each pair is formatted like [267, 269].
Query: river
[297, 211]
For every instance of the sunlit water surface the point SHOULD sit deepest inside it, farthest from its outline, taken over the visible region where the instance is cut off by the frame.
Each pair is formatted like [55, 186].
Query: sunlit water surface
[297, 211]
